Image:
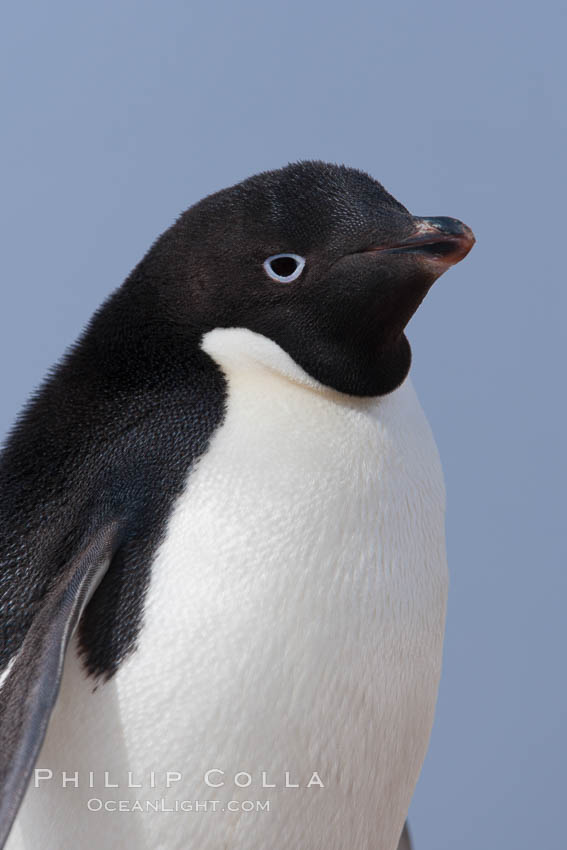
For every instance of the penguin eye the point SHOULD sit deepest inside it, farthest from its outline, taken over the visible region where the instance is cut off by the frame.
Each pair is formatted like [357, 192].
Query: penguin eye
[284, 267]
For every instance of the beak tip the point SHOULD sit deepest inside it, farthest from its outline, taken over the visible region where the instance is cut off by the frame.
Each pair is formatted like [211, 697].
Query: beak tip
[452, 231]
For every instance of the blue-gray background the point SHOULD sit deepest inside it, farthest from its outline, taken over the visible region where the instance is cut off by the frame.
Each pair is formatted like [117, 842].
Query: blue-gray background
[118, 115]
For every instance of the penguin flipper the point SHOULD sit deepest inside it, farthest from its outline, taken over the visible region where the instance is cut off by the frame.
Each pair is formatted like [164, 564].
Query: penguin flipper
[405, 839]
[31, 684]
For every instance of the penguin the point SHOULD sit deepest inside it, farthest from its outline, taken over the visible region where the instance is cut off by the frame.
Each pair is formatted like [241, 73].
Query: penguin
[223, 583]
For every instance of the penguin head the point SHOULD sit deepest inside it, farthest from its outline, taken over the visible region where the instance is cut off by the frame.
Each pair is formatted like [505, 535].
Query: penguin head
[319, 258]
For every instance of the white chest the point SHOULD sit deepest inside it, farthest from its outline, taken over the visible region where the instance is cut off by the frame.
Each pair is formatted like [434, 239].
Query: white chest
[294, 621]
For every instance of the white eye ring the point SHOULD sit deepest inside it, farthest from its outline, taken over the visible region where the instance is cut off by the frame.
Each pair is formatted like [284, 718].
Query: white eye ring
[284, 278]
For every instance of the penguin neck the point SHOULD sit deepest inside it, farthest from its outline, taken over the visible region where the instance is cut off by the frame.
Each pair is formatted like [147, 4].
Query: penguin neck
[243, 350]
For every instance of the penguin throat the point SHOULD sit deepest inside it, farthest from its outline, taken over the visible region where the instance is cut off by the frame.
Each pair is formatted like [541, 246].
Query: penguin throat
[245, 351]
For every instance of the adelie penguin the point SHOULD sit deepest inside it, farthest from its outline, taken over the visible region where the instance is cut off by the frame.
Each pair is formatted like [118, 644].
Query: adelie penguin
[222, 538]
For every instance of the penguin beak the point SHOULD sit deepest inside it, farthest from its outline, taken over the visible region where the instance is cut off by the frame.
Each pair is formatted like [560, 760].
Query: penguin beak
[439, 241]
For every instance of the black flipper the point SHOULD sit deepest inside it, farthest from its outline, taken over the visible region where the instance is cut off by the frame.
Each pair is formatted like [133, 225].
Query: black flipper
[405, 839]
[30, 689]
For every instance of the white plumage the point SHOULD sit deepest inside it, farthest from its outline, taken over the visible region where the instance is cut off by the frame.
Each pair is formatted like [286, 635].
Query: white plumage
[294, 623]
